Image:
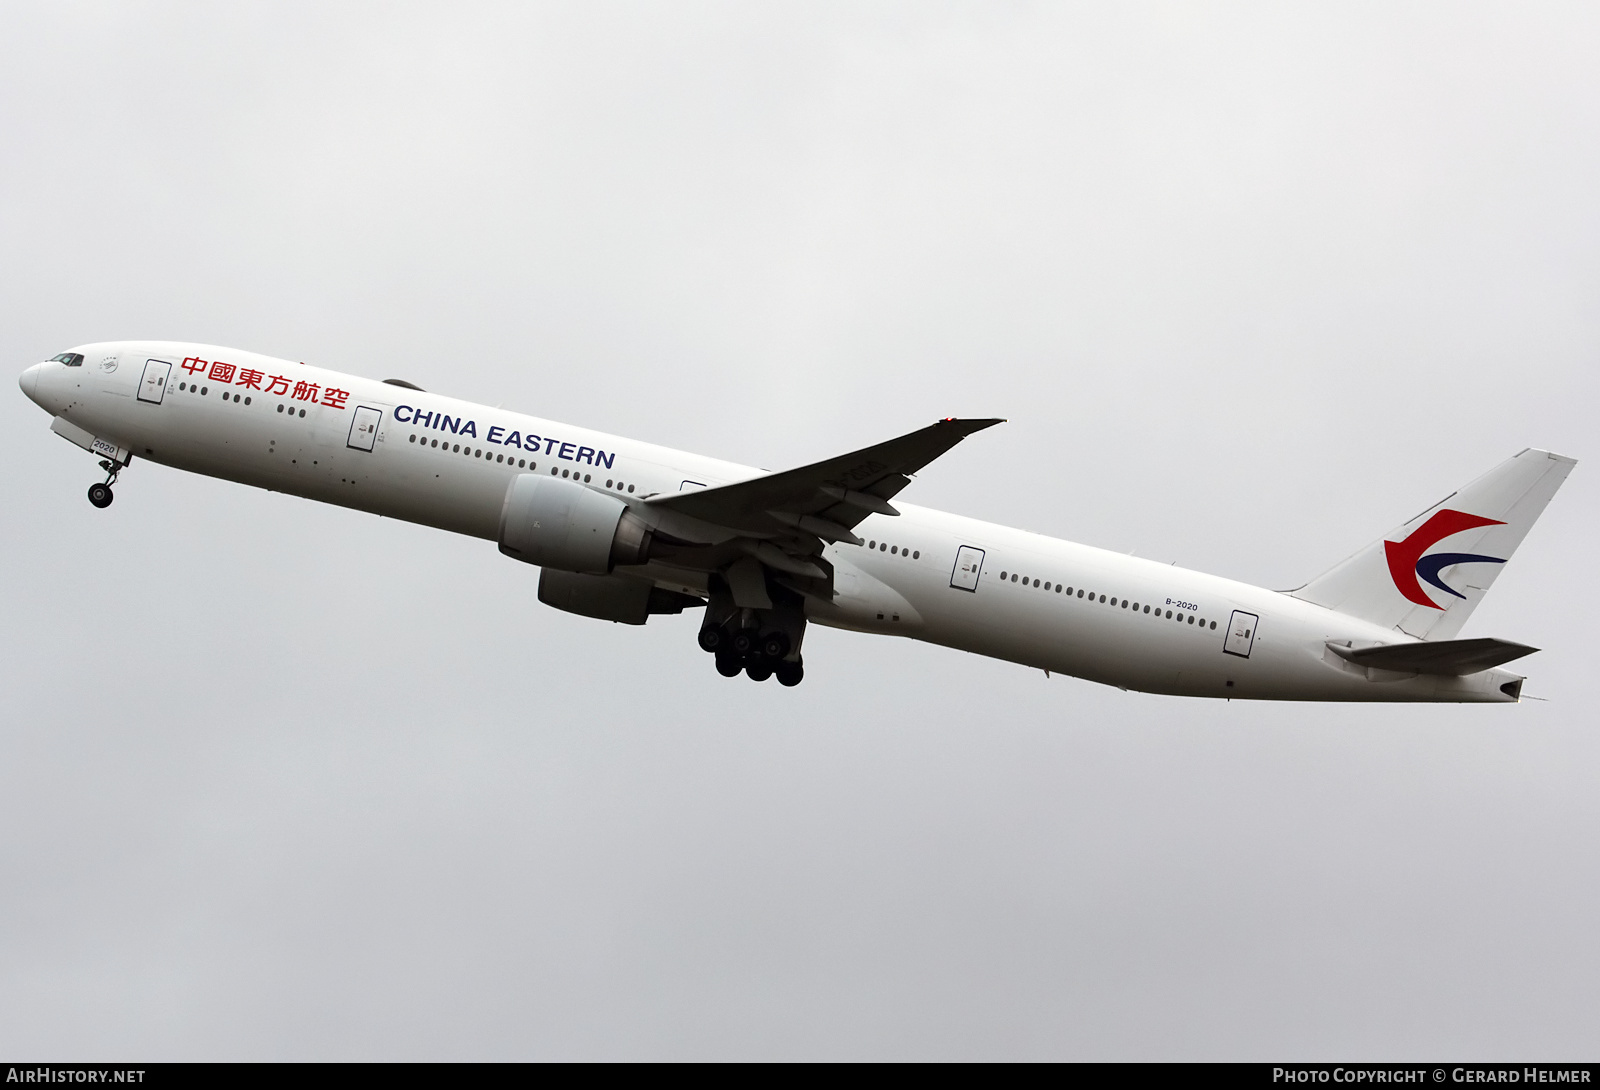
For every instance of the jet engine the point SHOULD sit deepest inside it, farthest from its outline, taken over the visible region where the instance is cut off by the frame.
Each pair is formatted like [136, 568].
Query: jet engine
[619, 598]
[563, 525]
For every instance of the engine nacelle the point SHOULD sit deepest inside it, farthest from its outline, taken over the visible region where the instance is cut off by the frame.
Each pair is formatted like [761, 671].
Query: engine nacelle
[561, 524]
[619, 598]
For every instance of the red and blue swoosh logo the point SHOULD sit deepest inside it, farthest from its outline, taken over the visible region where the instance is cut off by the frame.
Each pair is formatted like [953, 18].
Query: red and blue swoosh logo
[1407, 562]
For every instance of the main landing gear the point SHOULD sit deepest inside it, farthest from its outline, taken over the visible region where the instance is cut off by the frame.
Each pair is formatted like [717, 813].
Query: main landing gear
[747, 651]
[100, 494]
[757, 643]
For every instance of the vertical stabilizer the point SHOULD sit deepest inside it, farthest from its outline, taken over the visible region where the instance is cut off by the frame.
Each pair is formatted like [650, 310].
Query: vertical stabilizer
[1427, 576]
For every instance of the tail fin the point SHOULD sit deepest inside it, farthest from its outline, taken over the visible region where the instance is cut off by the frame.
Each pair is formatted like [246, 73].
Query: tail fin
[1397, 582]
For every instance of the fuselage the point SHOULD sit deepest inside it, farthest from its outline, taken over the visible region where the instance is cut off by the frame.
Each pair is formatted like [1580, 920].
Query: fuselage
[959, 582]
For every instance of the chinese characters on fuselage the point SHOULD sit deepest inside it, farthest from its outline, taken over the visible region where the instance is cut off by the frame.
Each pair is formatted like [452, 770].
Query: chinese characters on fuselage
[250, 379]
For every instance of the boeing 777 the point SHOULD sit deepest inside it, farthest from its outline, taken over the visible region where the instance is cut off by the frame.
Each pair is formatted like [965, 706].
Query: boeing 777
[624, 530]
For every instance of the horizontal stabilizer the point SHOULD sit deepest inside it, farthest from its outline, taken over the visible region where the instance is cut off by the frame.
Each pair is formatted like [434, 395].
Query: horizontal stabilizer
[1454, 658]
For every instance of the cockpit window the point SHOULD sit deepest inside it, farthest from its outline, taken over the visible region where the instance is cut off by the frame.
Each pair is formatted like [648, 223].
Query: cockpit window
[71, 359]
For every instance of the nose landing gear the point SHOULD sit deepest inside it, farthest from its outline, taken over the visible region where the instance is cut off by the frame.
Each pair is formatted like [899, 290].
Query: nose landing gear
[100, 494]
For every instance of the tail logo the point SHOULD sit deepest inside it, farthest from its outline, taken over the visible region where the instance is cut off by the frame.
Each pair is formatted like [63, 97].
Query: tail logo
[1406, 561]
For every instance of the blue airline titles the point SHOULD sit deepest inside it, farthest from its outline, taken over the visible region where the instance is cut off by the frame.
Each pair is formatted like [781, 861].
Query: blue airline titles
[503, 436]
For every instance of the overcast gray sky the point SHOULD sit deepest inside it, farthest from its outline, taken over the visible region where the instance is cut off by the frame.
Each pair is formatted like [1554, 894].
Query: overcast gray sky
[1252, 283]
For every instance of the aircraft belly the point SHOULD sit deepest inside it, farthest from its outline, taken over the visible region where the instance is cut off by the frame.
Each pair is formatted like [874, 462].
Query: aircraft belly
[307, 459]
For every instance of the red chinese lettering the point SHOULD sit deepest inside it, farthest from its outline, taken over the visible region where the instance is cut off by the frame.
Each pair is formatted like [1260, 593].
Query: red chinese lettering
[222, 372]
[305, 391]
[194, 363]
[248, 378]
[277, 385]
[335, 398]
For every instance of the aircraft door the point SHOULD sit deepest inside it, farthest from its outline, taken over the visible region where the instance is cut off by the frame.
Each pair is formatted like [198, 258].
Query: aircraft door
[364, 428]
[969, 565]
[153, 386]
[1241, 633]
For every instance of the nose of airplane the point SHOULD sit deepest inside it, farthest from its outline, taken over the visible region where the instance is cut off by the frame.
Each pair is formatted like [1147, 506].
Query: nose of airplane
[30, 380]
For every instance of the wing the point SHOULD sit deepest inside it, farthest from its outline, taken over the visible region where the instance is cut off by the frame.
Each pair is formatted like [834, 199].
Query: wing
[827, 498]
[772, 528]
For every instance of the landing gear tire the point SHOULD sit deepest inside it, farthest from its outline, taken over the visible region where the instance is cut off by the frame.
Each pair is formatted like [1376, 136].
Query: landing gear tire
[729, 665]
[758, 671]
[100, 495]
[789, 674]
[713, 639]
[745, 641]
[775, 646]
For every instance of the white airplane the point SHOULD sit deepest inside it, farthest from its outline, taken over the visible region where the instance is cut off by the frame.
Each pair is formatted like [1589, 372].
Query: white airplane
[624, 530]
